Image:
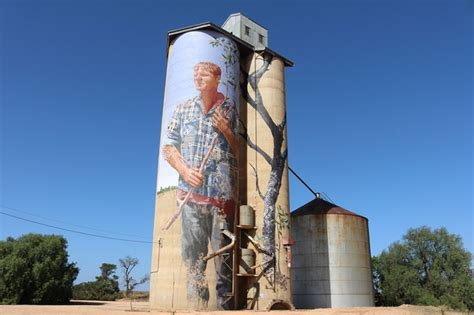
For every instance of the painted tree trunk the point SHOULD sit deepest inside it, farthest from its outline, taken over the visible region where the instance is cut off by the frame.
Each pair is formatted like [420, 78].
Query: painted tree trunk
[268, 231]
[275, 157]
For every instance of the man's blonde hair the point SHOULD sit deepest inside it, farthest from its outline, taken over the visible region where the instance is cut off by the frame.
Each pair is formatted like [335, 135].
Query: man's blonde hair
[209, 66]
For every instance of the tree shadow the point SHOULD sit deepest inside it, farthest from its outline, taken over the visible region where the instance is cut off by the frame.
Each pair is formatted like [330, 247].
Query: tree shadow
[76, 302]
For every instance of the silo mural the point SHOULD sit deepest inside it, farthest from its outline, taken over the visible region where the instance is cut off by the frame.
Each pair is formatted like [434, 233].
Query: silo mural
[222, 222]
[223, 148]
[198, 166]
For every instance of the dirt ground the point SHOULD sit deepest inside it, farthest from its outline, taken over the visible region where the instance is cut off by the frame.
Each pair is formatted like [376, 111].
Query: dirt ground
[132, 308]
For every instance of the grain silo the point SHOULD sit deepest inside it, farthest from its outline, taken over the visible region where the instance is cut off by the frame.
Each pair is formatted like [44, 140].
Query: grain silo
[223, 148]
[331, 257]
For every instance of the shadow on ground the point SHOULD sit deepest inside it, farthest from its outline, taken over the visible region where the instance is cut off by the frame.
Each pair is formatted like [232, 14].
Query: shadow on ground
[86, 303]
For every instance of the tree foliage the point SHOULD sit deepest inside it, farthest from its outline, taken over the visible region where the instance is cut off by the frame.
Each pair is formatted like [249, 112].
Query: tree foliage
[105, 288]
[428, 267]
[34, 269]
[127, 265]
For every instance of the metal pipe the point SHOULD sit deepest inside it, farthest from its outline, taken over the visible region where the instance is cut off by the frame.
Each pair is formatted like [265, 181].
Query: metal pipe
[223, 249]
[302, 181]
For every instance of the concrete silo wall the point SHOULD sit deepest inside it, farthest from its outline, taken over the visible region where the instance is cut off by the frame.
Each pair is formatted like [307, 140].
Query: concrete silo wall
[266, 185]
[197, 185]
[247, 166]
[331, 261]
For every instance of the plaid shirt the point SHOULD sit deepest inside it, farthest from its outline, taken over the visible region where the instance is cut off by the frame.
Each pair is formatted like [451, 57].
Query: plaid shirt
[191, 132]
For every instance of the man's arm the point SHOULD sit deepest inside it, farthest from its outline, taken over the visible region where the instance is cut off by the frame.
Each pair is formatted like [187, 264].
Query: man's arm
[221, 123]
[175, 159]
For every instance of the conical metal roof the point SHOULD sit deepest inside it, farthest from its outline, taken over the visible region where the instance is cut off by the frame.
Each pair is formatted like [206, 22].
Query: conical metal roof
[321, 206]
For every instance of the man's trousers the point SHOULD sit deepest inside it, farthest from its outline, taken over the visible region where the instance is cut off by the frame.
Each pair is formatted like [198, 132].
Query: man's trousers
[202, 224]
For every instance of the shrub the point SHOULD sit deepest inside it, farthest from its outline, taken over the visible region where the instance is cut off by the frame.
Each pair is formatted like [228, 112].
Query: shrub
[105, 288]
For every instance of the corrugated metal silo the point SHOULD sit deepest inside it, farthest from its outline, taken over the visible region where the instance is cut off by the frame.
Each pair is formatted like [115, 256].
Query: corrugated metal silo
[331, 257]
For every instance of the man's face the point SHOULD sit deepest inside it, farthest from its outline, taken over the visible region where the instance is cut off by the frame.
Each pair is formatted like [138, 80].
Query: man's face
[205, 80]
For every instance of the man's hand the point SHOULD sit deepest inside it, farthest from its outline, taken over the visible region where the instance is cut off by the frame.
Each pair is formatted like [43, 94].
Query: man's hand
[192, 177]
[219, 121]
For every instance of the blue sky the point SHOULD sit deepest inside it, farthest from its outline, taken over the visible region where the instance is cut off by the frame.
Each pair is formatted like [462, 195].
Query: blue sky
[379, 107]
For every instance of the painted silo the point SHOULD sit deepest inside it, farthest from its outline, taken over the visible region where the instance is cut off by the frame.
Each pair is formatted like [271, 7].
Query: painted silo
[197, 185]
[266, 185]
[206, 255]
[331, 257]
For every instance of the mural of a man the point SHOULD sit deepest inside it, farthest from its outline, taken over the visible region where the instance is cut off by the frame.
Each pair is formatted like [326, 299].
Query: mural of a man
[210, 207]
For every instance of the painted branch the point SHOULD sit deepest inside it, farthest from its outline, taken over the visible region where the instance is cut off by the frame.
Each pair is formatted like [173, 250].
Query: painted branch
[223, 249]
[255, 243]
[257, 75]
[257, 104]
[254, 79]
[253, 145]
[282, 124]
[259, 150]
[256, 181]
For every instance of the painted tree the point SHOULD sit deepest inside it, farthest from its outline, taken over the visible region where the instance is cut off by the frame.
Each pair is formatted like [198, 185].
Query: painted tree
[276, 159]
[230, 55]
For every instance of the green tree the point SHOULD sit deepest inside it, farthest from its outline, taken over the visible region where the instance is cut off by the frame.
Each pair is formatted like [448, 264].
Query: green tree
[107, 273]
[127, 265]
[427, 267]
[34, 269]
[105, 288]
